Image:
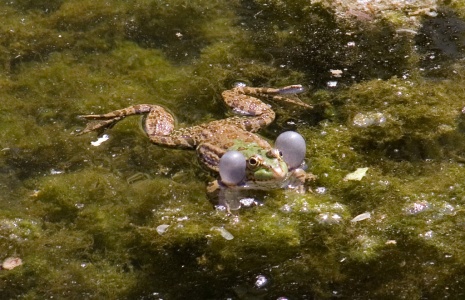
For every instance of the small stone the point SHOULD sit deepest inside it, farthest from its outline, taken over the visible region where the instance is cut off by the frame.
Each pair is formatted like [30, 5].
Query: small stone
[261, 281]
[11, 262]
[161, 229]
[335, 73]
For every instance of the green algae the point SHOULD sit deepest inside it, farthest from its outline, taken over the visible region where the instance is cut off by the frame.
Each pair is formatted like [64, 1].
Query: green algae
[83, 219]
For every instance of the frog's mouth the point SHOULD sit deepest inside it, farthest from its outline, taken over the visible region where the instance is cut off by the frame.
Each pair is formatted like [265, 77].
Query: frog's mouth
[279, 174]
[271, 177]
[265, 185]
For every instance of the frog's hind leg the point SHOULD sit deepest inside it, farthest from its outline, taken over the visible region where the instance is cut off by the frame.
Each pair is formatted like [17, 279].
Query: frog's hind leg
[158, 120]
[291, 89]
[246, 101]
[280, 94]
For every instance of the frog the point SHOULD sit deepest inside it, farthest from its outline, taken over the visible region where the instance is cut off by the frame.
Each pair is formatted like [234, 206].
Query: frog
[231, 146]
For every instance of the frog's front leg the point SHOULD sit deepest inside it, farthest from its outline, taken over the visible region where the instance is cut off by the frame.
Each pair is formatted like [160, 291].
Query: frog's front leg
[299, 181]
[220, 195]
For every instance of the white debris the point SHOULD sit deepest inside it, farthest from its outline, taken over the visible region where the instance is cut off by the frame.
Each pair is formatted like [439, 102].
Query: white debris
[100, 140]
[161, 229]
[331, 84]
[11, 262]
[414, 32]
[261, 281]
[224, 233]
[56, 172]
[361, 217]
[357, 175]
[336, 73]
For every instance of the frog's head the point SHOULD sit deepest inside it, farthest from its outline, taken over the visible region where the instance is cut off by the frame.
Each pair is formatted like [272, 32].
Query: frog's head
[257, 167]
[264, 165]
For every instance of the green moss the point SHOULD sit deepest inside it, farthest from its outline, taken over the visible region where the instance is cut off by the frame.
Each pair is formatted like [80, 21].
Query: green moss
[83, 219]
[423, 130]
[45, 6]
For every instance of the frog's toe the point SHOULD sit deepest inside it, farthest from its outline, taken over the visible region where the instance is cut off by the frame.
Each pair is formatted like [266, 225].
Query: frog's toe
[213, 190]
[99, 126]
[292, 89]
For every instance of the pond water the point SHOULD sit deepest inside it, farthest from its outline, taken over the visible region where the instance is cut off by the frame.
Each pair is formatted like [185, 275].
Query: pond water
[121, 218]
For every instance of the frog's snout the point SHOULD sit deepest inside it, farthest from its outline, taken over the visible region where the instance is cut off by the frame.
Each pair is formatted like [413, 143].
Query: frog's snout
[280, 172]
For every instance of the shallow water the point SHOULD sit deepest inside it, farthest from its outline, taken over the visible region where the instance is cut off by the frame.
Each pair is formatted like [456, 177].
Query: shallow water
[86, 221]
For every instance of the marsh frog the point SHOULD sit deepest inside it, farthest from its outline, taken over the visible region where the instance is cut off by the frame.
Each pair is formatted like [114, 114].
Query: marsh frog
[230, 147]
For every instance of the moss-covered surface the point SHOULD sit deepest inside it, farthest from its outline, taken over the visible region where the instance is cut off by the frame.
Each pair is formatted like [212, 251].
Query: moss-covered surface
[84, 219]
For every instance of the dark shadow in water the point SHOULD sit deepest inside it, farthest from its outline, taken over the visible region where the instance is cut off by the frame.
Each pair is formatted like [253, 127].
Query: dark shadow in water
[441, 41]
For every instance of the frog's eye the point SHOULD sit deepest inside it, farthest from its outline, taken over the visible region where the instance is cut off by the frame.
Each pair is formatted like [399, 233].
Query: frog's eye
[254, 162]
[293, 148]
[232, 167]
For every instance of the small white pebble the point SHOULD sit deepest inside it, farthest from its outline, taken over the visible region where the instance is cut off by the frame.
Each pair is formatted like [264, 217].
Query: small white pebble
[331, 84]
[261, 281]
[336, 73]
[11, 262]
[161, 229]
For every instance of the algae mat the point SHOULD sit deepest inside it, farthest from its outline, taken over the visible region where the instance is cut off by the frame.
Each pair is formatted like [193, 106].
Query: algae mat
[131, 220]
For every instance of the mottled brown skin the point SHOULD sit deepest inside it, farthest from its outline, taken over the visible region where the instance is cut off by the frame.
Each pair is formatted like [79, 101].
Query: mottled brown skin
[211, 140]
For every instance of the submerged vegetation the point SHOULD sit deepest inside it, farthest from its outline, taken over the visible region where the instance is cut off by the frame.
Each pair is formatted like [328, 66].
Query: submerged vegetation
[85, 220]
